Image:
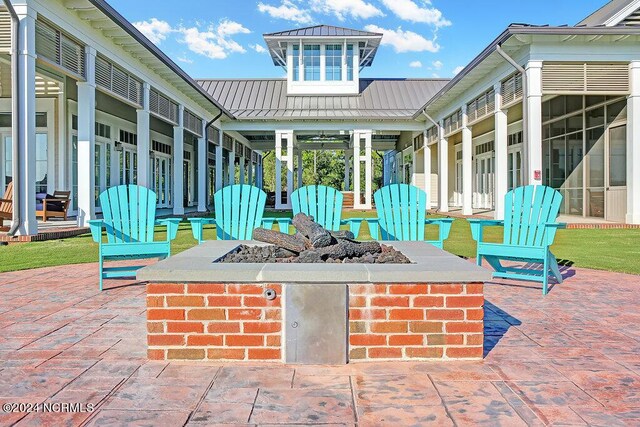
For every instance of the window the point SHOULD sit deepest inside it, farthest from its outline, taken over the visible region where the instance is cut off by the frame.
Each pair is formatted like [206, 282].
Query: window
[41, 163]
[350, 62]
[312, 62]
[333, 55]
[296, 62]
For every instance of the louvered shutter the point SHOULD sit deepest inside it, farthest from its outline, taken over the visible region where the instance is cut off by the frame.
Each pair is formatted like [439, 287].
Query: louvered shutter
[5, 31]
[585, 78]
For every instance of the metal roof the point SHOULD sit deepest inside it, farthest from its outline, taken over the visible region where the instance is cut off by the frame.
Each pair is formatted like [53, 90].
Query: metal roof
[323, 31]
[603, 15]
[267, 99]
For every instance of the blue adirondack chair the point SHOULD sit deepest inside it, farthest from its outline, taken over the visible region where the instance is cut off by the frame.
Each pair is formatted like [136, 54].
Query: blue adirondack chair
[129, 219]
[402, 210]
[238, 210]
[323, 203]
[529, 230]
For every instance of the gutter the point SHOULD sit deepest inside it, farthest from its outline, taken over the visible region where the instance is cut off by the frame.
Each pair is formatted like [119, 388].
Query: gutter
[15, 119]
[525, 109]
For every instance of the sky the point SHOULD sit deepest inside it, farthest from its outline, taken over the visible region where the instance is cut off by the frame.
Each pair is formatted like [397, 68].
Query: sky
[422, 38]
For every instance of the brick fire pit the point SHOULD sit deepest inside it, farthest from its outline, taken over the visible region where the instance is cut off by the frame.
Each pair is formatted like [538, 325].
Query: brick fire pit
[198, 309]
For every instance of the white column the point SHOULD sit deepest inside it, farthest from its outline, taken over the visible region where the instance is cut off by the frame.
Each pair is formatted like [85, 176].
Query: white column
[144, 139]
[290, 168]
[86, 141]
[27, 134]
[178, 163]
[202, 169]
[443, 169]
[232, 164]
[347, 169]
[467, 165]
[219, 160]
[361, 137]
[299, 168]
[501, 150]
[426, 158]
[284, 160]
[533, 150]
[633, 147]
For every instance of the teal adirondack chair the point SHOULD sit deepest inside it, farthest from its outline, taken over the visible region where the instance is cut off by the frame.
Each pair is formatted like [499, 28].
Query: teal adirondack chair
[529, 230]
[323, 203]
[129, 219]
[238, 211]
[402, 211]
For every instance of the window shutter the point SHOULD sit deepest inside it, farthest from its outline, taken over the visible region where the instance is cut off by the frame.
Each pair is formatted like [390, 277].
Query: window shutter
[59, 49]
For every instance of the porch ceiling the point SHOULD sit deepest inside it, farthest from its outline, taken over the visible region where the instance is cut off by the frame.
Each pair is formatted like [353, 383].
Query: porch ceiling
[106, 20]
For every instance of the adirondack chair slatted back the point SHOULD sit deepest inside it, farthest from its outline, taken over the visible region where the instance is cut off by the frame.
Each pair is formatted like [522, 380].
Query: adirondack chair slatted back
[7, 207]
[129, 212]
[323, 203]
[238, 211]
[401, 212]
[527, 209]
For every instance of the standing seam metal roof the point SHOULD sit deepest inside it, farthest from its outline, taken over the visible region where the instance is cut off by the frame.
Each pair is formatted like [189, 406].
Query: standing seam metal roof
[322, 31]
[379, 98]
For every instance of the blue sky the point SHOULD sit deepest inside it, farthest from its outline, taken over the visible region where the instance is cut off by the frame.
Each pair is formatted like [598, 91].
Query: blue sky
[223, 38]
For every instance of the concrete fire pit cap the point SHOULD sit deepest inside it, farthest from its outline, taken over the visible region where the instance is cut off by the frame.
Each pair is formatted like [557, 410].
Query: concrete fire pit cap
[429, 265]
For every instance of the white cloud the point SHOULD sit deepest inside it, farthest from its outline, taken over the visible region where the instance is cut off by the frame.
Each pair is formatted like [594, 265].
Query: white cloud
[154, 29]
[437, 65]
[411, 11]
[215, 43]
[404, 41]
[288, 11]
[184, 59]
[258, 48]
[343, 9]
[415, 64]
[457, 70]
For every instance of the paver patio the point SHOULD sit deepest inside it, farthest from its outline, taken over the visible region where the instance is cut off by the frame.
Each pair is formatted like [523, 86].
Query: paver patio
[572, 358]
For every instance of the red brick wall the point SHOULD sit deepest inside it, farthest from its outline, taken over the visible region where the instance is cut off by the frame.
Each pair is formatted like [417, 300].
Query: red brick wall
[213, 321]
[416, 321]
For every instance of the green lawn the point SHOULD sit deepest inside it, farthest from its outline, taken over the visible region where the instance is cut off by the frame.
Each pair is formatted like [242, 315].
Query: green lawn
[614, 250]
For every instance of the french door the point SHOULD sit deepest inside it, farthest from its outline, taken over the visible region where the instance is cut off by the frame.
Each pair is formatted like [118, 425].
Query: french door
[186, 182]
[616, 174]
[102, 168]
[514, 168]
[484, 182]
[457, 192]
[128, 166]
[161, 173]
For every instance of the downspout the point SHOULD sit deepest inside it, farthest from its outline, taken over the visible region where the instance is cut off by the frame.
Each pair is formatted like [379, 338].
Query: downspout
[525, 116]
[15, 119]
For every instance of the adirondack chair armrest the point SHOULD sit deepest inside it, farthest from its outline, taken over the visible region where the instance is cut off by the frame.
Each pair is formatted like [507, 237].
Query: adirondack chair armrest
[283, 223]
[6, 201]
[96, 226]
[197, 226]
[172, 226]
[444, 229]
[550, 231]
[355, 224]
[477, 227]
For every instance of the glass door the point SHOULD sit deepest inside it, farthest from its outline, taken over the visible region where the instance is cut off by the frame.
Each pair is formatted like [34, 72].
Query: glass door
[161, 181]
[186, 182]
[128, 166]
[616, 186]
[514, 169]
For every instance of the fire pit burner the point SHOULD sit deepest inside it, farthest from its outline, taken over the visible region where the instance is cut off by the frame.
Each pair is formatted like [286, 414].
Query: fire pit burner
[313, 244]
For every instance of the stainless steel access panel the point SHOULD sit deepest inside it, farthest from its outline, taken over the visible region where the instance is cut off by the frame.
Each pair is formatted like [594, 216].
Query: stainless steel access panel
[316, 328]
